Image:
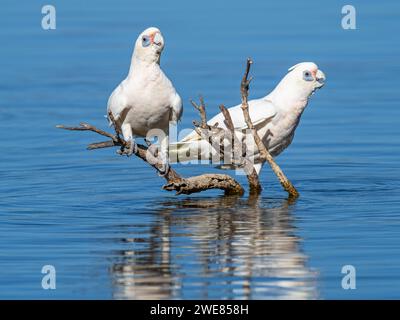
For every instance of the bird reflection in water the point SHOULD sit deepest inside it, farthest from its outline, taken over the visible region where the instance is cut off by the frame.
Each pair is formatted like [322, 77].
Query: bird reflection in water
[215, 248]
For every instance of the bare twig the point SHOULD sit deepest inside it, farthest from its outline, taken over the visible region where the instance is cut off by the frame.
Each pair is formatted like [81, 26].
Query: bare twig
[87, 127]
[202, 110]
[264, 153]
[238, 154]
[228, 119]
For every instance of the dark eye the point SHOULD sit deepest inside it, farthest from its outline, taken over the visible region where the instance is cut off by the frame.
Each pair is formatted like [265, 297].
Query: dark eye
[145, 41]
[307, 76]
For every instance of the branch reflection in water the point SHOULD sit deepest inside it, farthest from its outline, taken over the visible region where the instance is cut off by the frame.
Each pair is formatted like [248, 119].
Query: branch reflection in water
[215, 248]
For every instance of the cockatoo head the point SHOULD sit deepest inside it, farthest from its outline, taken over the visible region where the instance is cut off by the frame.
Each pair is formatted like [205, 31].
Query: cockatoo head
[149, 45]
[305, 77]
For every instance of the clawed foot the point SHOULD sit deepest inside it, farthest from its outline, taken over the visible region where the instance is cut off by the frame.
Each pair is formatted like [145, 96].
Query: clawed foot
[128, 150]
[163, 171]
[153, 149]
[165, 167]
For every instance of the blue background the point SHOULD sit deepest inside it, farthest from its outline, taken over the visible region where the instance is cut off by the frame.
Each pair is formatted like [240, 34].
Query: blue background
[103, 220]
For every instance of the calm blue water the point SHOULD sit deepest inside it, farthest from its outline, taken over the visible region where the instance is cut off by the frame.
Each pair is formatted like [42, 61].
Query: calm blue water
[103, 220]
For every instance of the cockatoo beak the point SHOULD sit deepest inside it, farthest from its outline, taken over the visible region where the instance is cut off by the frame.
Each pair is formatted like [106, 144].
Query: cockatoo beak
[156, 38]
[320, 78]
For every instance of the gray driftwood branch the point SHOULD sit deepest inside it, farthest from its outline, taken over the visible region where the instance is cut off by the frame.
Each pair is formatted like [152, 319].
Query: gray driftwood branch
[174, 181]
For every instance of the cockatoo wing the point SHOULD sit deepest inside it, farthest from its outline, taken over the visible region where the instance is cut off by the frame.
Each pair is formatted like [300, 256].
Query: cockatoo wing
[177, 108]
[117, 104]
[260, 111]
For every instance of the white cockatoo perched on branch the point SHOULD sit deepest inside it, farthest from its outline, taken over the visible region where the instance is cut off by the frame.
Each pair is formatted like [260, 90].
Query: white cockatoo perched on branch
[275, 117]
[146, 100]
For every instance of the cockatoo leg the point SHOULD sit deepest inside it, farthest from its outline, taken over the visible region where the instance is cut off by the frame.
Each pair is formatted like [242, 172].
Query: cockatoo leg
[164, 155]
[128, 137]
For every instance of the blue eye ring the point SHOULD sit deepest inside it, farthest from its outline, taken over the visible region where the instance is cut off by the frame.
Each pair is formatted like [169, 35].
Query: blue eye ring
[307, 76]
[145, 41]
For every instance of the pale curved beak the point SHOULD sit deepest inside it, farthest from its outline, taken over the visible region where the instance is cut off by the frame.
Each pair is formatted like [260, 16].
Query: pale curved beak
[156, 38]
[320, 78]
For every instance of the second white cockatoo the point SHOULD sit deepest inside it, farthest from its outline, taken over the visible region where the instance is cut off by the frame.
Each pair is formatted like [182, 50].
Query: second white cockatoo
[146, 99]
[275, 117]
